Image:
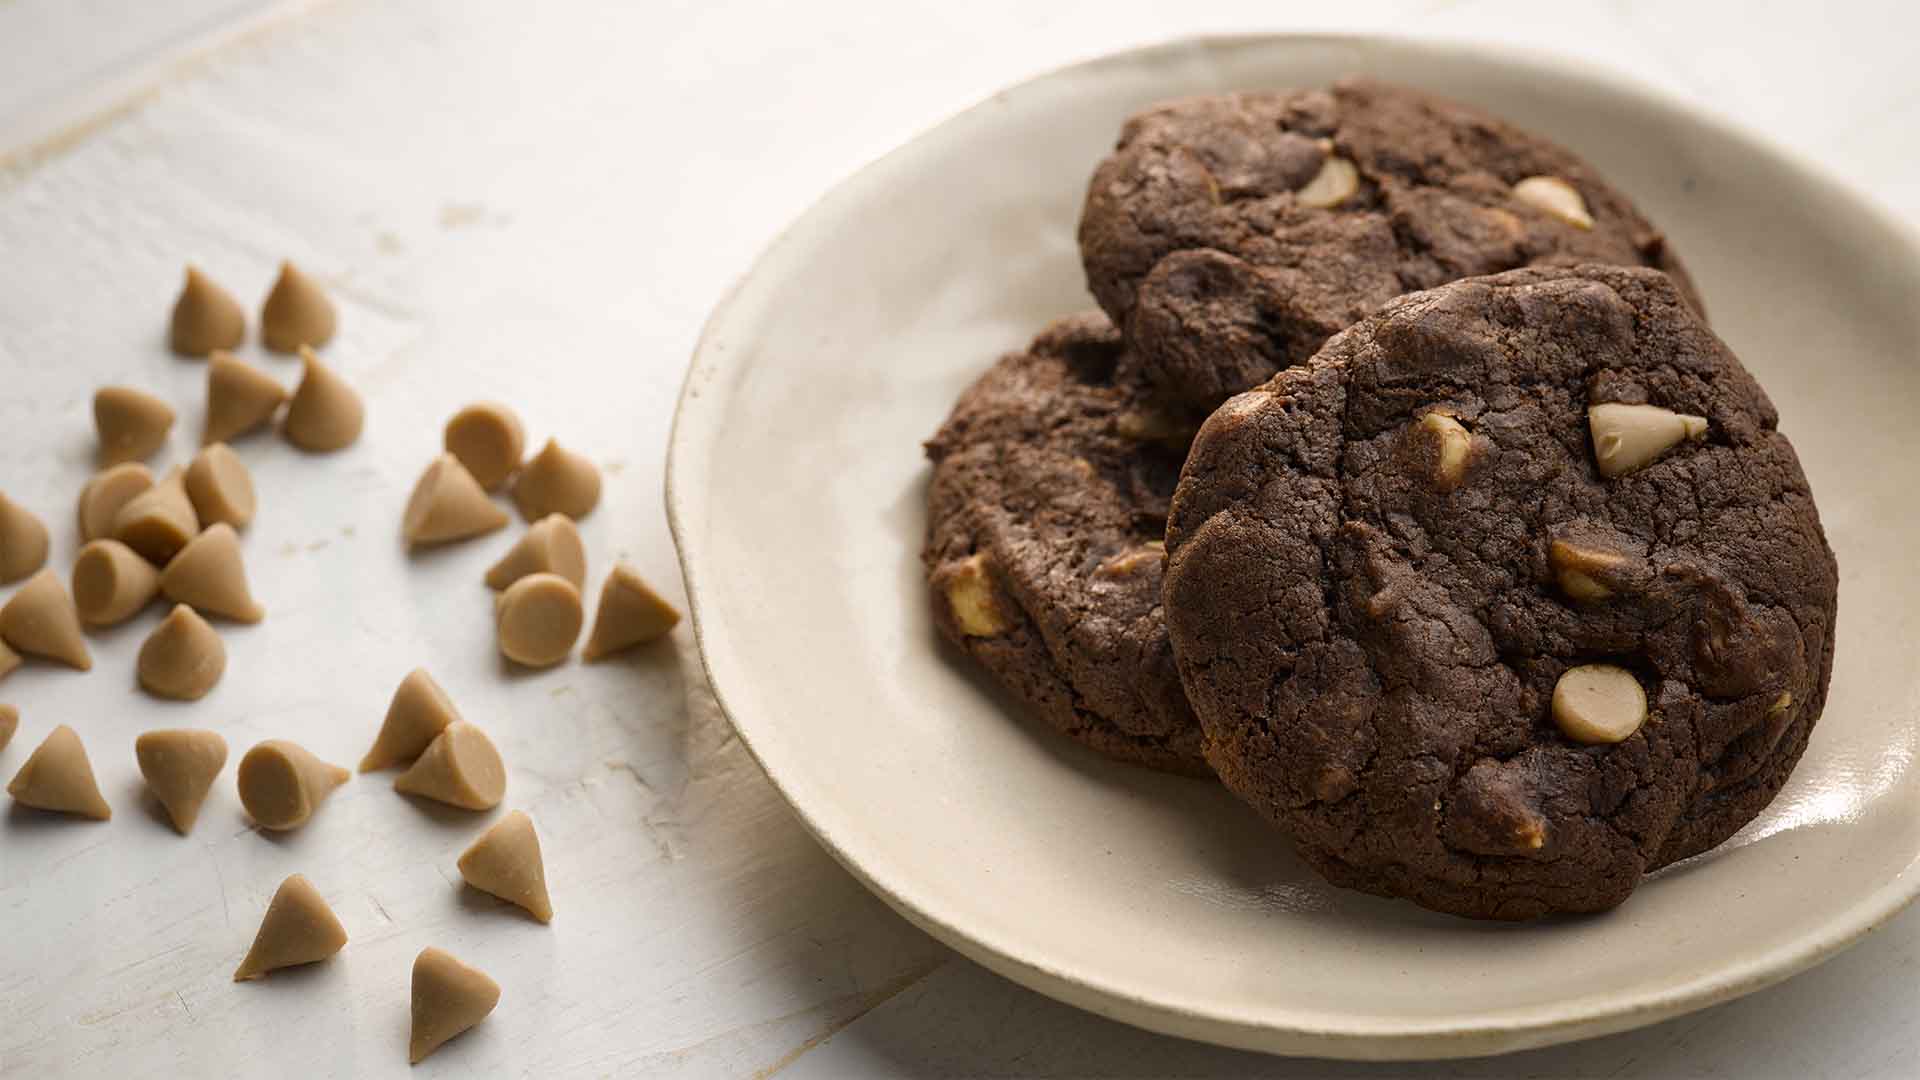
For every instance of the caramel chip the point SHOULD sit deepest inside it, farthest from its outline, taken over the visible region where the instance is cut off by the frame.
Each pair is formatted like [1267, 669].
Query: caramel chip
[326, 414]
[419, 712]
[23, 541]
[209, 577]
[282, 783]
[111, 582]
[489, 441]
[538, 619]
[183, 658]
[299, 928]
[557, 481]
[240, 397]
[205, 317]
[108, 491]
[630, 614]
[461, 767]
[59, 777]
[296, 313]
[447, 504]
[551, 546]
[976, 605]
[9, 660]
[159, 521]
[448, 998]
[180, 764]
[220, 487]
[505, 862]
[40, 620]
[132, 423]
[9, 716]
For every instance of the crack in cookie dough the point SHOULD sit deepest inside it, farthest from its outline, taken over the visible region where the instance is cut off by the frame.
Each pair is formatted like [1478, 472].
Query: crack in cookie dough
[1044, 555]
[1373, 642]
[1226, 236]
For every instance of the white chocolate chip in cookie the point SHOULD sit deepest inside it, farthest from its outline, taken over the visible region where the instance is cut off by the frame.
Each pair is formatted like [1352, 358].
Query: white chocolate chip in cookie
[1555, 197]
[1335, 183]
[1133, 561]
[976, 604]
[1629, 437]
[1453, 448]
[1599, 703]
[1576, 569]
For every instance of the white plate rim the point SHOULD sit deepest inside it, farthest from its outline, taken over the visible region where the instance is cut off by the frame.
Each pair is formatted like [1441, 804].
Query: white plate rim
[696, 424]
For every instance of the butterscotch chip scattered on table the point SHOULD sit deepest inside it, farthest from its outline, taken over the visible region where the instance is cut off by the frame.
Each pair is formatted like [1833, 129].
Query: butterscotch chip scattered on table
[59, 777]
[489, 441]
[551, 546]
[448, 504]
[448, 998]
[299, 928]
[557, 481]
[630, 614]
[326, 414]
[132, 424]
[9, 716]
[183, 658]
[159, 521]
[505, 862]
[1631, 437]
[180, 765]
[240, 397]
[9, 660]
[111, 582]
[537, 619]
[104, 495]
[297, 312]
[209, 576]
[282, 783]
[220, 487]
[419, 712]
[23, 541]
[205, 317]
[40, 620]
[461, 767]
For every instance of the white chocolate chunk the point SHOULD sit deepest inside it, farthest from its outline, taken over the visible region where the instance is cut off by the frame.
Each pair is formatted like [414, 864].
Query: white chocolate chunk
[1335, 183]
[1599, 703]
[1554, 196]
[1629, 437]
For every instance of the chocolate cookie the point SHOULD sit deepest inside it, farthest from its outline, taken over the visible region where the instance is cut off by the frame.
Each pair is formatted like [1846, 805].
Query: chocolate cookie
[1230, 236]
[1051, 481]
[1508, 596]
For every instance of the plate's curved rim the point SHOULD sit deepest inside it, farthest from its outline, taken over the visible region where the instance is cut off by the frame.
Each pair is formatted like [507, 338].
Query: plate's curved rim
[1287, 1031]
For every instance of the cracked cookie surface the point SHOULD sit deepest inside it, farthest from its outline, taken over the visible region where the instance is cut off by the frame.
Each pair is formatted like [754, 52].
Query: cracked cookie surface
[1411, 607]
[1231, 235]
[1044, 553]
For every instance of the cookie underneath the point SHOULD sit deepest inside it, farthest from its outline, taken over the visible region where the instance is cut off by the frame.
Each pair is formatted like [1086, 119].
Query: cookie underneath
[1408, 579]
[1048, 502]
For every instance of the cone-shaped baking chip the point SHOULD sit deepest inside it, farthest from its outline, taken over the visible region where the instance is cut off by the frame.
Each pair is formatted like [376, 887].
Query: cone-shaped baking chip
[448, 998]
[205, 317]
[183, 658]
[557, 481]
[551, 546]
[488, 440]
[240, 397]
[59, 777]
[506, 862]
[40, 620]
[299, 928]
[419, 712]
[159, 521]
[460, 767]
[326, 414]
[296, 313]
[180, 764]
[111, 582]
[448, 504]
[9, 716]
[630, 614]
[281, 783]
[108, 491]
[209, 577]
[220, 487]
[23, 541]
[132, 423]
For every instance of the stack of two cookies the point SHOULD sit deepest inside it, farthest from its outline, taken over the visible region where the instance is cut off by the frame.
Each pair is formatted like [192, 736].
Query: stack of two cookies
[1400, 484]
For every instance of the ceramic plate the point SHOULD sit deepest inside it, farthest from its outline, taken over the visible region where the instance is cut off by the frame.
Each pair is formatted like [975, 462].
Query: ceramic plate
[797, 493]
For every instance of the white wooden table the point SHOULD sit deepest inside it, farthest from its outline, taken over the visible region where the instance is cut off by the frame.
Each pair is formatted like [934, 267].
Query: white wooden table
[538, 203]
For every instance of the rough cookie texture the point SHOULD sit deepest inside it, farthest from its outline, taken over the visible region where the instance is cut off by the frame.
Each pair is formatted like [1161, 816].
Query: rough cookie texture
[1373, 654]
[1216, 235]
[1043, 554]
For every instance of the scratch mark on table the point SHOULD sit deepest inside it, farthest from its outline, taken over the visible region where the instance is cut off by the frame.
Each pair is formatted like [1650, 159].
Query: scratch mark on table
[382, 908]
[188, 1009]
[871, 1001]
[226, 913]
